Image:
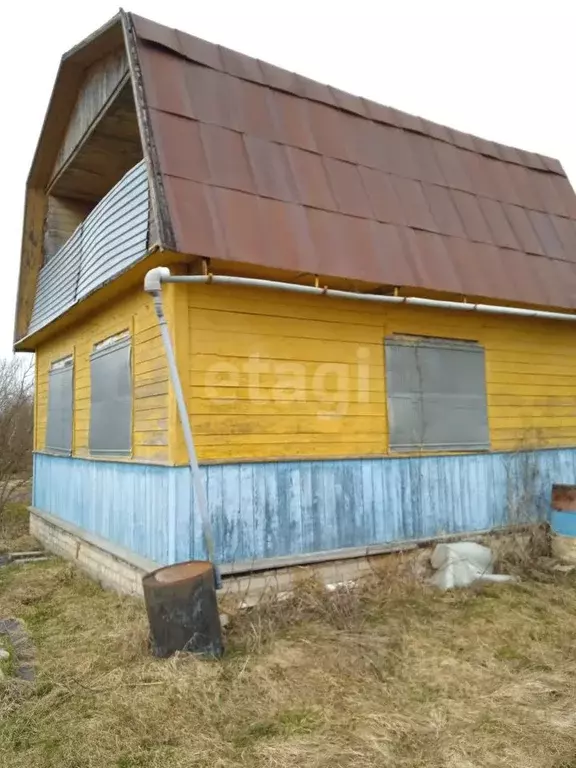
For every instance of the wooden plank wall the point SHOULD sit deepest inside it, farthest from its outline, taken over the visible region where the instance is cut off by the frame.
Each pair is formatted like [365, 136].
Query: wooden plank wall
[63, 216]
[101, 80]
[277, 509]
[110, 147]
[319, 364]
[276, 376]
[133, 311]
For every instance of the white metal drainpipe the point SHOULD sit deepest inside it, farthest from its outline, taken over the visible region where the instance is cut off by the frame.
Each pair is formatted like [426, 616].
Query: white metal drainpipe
[153, 285]
[416, 301]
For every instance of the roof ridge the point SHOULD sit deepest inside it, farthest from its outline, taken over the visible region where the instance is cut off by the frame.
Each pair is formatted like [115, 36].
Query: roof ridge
[244, 67]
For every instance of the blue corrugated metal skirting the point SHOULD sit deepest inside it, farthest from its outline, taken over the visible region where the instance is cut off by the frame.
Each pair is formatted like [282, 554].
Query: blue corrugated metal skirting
[262, 510]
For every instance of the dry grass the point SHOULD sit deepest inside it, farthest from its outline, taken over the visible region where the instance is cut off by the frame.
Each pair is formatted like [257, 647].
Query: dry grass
[387, 674]
[14, 536]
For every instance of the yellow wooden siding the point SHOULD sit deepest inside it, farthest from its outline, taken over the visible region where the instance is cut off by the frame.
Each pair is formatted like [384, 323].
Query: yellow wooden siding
[337, 406]
[133, 312]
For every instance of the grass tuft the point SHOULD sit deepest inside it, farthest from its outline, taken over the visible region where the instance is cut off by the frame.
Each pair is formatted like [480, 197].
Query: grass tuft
[14, 533]
[389, 672]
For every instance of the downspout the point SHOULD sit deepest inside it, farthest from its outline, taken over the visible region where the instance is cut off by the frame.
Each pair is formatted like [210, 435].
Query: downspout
[153, 285]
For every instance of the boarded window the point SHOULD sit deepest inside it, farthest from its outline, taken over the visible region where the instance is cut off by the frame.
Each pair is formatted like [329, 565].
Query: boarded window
[436, 394]
[111, 398]
[60, 406]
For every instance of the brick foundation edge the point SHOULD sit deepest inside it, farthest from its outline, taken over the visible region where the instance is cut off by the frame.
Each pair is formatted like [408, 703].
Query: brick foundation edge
[112, 566]
[121, 570]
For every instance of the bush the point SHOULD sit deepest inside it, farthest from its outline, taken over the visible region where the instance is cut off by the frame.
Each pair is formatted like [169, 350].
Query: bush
[16, 427]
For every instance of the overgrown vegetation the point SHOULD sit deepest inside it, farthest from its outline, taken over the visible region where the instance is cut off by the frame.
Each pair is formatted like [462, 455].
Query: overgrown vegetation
[16, 429]
[388, 673]
[14, 533]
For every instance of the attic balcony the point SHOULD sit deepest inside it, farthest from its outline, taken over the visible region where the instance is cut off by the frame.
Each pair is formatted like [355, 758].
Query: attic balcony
[110, 239]
[97, 203]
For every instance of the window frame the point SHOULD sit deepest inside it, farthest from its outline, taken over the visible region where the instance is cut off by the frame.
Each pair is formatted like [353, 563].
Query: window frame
[424, 396]
[114, 343]
[57, 368]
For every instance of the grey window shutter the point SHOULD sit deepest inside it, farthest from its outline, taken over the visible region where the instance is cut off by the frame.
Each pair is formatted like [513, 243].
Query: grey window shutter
[60, 407]
[111, 399]
[445, 383]
[405, 421]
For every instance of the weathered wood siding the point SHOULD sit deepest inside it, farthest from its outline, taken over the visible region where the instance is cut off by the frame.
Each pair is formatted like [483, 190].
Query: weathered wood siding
[63, 217]
[270, 509]
[110, 148]
[101, 81]
[112, 238]
[132, 312]
[287, 376]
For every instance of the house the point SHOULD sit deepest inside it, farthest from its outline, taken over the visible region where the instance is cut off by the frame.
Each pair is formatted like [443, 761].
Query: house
[423, 382]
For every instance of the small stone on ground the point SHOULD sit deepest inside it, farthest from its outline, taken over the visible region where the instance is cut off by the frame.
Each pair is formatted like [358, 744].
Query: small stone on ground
[23, 647]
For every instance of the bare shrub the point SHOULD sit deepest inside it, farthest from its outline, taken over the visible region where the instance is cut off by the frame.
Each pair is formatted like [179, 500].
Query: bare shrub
[16, 427]
[349, 606]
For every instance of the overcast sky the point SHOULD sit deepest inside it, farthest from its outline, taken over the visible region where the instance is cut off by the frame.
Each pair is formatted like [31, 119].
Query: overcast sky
[501, 69]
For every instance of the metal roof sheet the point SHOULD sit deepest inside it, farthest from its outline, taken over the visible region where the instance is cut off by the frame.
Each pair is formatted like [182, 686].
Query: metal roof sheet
[268, 168]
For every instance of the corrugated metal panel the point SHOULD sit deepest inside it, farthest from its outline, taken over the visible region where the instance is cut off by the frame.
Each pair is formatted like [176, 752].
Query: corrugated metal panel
[265, 510]
[234, 134]
[56, 287]
[112, 237]
[115, 233]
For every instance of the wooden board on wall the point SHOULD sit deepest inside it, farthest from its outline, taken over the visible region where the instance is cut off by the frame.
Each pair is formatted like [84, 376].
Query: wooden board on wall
[63, 215]
[104, 155]
[279, 376]
[100, 82]
[131, 311]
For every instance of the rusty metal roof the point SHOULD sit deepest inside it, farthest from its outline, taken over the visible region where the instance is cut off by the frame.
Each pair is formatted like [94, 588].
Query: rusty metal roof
[268, 168]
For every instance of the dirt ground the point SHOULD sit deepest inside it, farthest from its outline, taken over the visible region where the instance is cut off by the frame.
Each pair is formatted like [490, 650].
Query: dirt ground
[391, 673]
